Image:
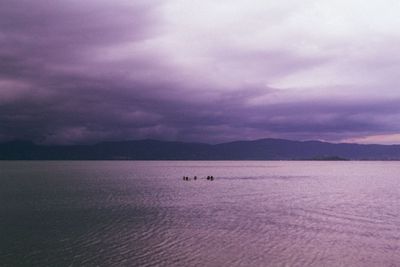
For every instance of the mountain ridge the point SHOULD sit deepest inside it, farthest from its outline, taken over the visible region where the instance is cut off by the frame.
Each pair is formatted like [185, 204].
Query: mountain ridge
[152, 149]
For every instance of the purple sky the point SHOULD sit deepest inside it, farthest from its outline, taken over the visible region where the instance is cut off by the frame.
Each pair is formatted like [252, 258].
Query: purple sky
[74, 71]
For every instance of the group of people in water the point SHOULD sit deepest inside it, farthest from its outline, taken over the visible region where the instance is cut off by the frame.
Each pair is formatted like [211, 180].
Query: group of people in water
[186, 178]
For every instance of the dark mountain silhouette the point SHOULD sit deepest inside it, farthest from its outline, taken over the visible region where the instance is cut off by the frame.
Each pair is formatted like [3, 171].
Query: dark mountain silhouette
[264, 149]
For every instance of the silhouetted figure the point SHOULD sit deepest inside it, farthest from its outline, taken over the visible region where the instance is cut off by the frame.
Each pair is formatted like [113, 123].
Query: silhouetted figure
[195, 178]
[187, 178]
[212, 178]
[208, 177]
[184, 178]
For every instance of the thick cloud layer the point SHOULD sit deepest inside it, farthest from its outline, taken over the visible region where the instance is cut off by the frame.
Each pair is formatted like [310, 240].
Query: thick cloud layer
[86, 71]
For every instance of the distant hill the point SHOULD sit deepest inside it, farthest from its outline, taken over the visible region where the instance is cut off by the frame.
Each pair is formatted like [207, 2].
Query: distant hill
[263, 149]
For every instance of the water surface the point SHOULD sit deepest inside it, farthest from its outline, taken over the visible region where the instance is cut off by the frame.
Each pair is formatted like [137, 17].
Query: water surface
[255, 213]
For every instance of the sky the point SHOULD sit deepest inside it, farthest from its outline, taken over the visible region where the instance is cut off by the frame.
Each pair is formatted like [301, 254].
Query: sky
[78, 72]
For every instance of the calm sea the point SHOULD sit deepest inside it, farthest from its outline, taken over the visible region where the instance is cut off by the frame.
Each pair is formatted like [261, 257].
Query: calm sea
[255, 213]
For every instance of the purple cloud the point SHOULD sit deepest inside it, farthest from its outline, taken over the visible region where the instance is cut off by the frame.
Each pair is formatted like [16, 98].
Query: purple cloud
[83, 72]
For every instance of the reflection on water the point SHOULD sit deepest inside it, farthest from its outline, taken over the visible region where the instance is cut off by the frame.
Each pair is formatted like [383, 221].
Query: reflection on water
[253, 214]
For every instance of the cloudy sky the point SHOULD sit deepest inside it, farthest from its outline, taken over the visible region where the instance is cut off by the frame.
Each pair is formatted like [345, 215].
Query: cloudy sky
[74, 71]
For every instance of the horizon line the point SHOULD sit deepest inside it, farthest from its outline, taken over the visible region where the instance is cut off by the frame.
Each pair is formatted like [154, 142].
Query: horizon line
[189, 142]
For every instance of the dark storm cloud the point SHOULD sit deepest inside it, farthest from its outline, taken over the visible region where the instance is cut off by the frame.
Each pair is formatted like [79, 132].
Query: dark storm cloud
[44, 93]
[86, 71]
[299, 120]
